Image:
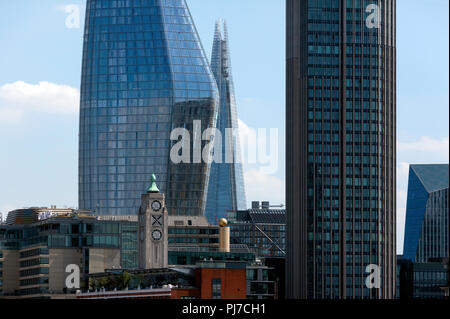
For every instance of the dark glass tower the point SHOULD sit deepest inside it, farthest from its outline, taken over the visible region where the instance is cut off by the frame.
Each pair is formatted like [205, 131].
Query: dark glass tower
[341, 147]
[427, 215]
[226, 183]
[144, 74]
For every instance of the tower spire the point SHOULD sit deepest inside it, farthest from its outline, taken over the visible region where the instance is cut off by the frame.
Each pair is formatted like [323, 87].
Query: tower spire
[153, 187]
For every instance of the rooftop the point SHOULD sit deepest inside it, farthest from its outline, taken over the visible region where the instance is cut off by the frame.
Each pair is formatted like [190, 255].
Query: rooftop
[434, 177]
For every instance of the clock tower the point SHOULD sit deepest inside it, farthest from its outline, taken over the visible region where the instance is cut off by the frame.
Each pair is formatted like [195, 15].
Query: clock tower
[153, 229]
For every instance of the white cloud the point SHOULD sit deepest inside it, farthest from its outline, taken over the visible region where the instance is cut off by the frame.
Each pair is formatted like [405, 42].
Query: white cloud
[264, 187]
[260, 183]
[259, 147]
[19, 98]
[10, 115]
[427, 144]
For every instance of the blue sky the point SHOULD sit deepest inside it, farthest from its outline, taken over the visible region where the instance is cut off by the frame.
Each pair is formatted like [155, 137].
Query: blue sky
[40, 66]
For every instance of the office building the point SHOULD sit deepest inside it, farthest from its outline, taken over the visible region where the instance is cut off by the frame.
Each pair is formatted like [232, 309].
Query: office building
[144, 74]
[35, 255]
[417, 280]
[427, 214]
[226, 191]
[341, 148]
[424, 266]
[261, 282]
[262, 229]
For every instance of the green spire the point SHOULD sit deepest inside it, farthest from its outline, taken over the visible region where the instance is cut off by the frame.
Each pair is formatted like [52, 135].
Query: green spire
[153, 188]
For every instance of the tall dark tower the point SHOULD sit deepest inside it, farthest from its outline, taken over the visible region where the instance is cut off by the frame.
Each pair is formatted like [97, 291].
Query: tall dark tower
[226, 190]
[144, 74]
[341, 147]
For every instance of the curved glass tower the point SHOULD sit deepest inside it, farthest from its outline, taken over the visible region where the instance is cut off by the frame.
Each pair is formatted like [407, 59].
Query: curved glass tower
[144, 74]
[226, 190]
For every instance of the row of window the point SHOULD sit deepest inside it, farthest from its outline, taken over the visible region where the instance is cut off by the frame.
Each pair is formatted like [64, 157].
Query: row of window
[196, 231]
[34, 262]
[34, 281]
[35, 252]
[190, 240]
[429, 276]
[34, 272]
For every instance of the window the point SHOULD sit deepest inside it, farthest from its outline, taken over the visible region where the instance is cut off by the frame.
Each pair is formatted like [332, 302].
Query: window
[217, 288]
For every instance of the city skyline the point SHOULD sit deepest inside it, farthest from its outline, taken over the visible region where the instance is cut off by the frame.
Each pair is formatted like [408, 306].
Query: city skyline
[50, 163]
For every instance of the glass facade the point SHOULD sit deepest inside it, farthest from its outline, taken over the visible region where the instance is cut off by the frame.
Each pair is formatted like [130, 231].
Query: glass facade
[86, 233]
[33, 245]
[346, 88]
[417, 280]
[226, 190]
[144, 74]
[426, 232]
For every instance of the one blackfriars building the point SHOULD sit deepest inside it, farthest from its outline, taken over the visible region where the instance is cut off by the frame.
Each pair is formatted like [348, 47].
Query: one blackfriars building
[226, 192]
[144, 74]
[341, 148]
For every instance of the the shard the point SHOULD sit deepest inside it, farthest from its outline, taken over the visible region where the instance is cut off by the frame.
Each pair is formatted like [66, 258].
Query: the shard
[226, 192]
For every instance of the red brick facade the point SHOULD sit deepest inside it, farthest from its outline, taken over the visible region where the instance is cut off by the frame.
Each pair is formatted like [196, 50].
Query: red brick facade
[233, 282]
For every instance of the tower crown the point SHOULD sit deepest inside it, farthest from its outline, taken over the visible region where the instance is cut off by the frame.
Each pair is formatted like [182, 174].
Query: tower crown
[153, 187]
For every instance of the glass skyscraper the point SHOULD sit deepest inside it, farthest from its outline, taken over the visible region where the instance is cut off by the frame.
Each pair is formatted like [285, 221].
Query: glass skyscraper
[144, 74]
[427, 217]
[341, 148]
[226, 183]
[424, 266]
